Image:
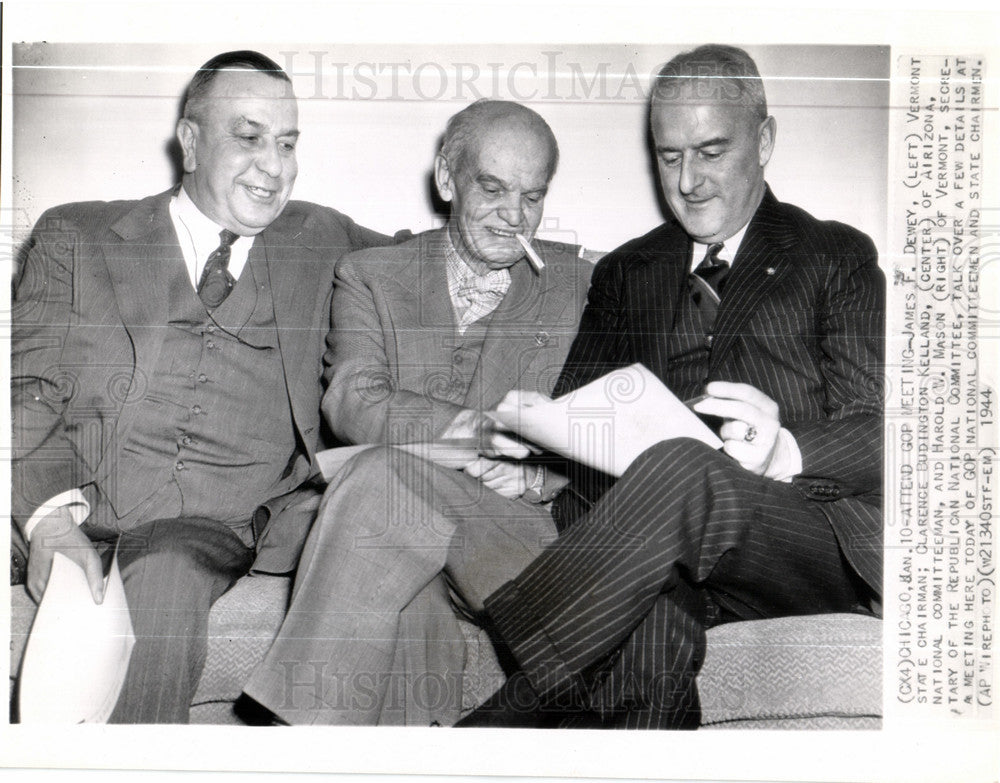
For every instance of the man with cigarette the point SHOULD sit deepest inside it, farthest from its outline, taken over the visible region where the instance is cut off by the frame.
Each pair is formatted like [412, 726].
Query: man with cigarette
[778, 318]
[166, 359]
[427, 335]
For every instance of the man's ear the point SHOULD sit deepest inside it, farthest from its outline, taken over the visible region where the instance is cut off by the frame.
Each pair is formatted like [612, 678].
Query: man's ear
[443, 178]
[766, 133]
[187, 135]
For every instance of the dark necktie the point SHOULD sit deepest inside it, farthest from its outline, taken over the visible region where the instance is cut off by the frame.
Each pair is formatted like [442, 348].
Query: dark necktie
[216, 282]
[713, 270]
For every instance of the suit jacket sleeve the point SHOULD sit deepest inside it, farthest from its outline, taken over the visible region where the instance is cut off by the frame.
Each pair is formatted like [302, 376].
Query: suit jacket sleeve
[600, 345]
[363, 402]
[44, 461]
[846, 445]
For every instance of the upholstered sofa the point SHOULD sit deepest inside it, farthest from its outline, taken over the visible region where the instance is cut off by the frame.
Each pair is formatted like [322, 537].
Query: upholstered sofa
[821, 671]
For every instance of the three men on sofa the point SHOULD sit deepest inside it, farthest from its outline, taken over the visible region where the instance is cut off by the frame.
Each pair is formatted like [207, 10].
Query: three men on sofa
[775, 315]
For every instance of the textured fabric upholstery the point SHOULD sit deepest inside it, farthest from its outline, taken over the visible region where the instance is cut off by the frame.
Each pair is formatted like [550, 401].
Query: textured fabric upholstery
[820, 671]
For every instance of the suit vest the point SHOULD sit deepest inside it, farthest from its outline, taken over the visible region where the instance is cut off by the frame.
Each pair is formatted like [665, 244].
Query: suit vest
[214, 435]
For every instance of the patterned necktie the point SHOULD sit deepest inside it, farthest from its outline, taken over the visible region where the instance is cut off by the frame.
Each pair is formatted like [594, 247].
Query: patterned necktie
[216, 282]
[713, 270]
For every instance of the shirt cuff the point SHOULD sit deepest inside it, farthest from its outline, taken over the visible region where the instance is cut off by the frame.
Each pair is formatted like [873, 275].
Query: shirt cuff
[787, 461]
[74, 502]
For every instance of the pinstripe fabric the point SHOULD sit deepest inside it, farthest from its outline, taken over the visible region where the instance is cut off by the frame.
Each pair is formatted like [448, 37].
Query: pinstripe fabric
[801, 319]
[173, 571]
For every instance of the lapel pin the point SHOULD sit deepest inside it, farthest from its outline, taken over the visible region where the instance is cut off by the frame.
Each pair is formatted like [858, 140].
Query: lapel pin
[542, 338]
[771, 270]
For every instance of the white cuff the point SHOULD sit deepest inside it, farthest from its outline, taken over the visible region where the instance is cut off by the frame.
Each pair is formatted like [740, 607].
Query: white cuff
[72, 499]
[787, 461]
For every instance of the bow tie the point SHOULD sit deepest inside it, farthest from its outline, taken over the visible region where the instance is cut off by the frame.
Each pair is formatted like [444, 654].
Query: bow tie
[491, 285]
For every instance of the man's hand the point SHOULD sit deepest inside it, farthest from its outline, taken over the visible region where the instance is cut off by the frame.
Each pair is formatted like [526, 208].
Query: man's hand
[57, 532]
[474, 425]
[509, 479]
[750, 431]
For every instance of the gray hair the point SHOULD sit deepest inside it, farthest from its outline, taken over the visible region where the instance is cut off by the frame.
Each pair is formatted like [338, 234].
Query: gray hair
[465, 127]
[717, 74]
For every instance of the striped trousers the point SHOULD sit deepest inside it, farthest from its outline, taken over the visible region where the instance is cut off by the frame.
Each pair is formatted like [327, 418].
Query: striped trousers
[173, 570]
[617, 607]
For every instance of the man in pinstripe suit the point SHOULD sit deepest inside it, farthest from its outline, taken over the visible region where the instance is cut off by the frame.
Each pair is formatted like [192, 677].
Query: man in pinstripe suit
[784, 337]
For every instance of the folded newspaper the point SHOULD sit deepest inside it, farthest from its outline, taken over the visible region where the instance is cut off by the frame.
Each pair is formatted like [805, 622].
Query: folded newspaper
[607, 423]
[78, 651]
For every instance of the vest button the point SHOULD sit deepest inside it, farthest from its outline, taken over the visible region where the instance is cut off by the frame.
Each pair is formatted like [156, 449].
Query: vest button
[186, 440]
[196, 410]
[210, 344]
[179, 464]
[202, 378]
[210, 329]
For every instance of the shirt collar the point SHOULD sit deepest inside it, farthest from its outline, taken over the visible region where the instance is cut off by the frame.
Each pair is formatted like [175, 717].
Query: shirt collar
[460, 272]
[198, 236]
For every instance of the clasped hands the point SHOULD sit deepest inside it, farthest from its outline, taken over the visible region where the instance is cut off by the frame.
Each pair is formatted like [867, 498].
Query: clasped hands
[496, 465]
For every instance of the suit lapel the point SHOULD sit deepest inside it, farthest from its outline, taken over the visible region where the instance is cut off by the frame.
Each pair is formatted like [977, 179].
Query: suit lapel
[288, 263]
[655, 289]
[294, 275]
[505, 347]
[418, 307]
[761, 264]
[136, 267]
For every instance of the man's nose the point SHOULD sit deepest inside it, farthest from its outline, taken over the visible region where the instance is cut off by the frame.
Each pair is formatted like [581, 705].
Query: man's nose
[690, 176]
[269, 159]
[511, 211]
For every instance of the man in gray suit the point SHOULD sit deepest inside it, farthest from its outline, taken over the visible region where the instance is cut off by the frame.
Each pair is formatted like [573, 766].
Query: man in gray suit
[427, 335]
[166, 387]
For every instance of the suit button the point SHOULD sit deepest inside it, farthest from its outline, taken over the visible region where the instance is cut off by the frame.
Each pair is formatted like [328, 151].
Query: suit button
[210, 329]
[196, 410]
[709, 340]
[186, 440]
[202, 378]
[210, 345]
[542, 338]
[179, 465]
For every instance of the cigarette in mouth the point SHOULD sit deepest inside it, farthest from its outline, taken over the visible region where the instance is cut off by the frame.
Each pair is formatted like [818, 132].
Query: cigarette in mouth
[536, 262]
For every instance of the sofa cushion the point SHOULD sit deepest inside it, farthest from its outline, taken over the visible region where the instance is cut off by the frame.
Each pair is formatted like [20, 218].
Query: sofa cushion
[819, 671]
[793, 668]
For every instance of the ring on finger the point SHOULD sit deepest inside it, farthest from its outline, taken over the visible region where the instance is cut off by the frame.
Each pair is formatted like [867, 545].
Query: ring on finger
[750, 434]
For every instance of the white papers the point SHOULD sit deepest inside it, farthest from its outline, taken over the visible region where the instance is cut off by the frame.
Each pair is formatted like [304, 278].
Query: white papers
[454, 453]
[607, 423]
[78, 651]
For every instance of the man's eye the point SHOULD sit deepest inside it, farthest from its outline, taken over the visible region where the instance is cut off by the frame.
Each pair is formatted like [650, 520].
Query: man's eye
[287, 146]
[533, 199]
[671, 160]
[490, 191]
[710, 155]
[249, 139]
